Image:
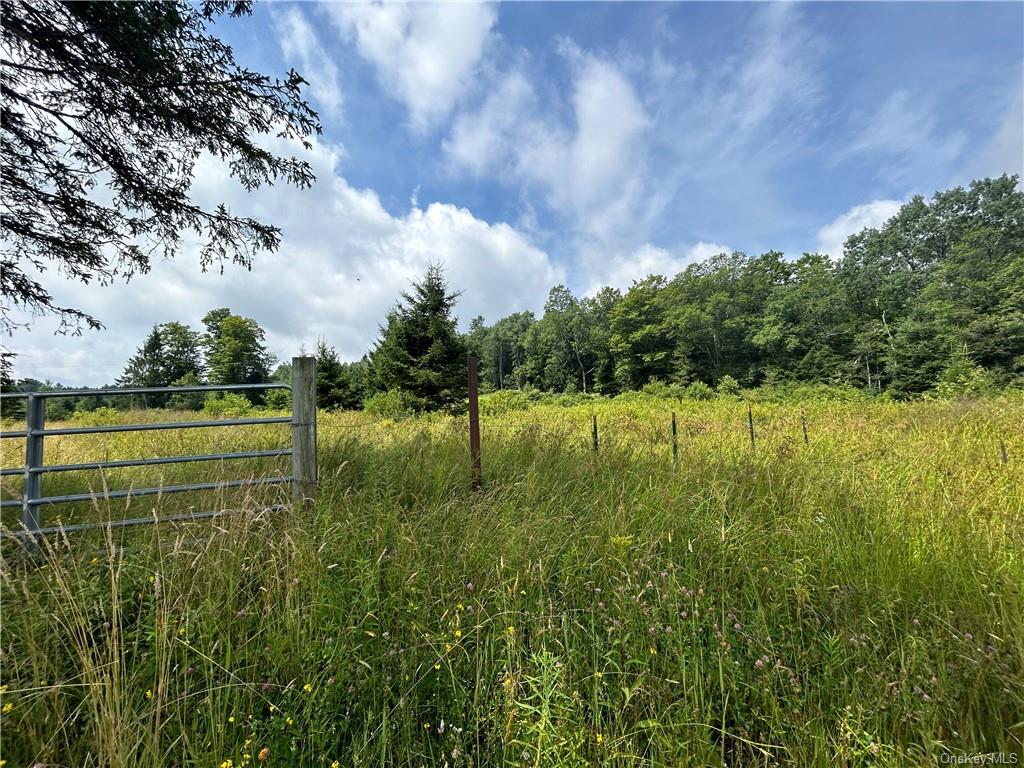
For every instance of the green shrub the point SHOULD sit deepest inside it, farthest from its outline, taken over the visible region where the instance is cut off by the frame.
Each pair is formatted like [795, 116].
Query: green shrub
[503, 401]
[962, 377]
[663, 390]
[278, 399]
[100, 417]
[393, 404]
[728, 387]
[187, 401]
[698, 390]
[226, 405]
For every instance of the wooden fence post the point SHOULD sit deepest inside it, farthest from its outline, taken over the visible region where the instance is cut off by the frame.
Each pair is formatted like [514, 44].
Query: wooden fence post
[595, 434]
[675, 444]
[803, 423]
[750, 424]
[476, 474]
[304, 465]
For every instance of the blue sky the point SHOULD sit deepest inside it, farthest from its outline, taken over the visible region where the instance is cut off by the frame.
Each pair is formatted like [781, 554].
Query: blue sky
[533, 143]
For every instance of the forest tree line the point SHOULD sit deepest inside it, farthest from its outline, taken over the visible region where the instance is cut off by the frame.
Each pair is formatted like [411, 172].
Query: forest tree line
[939, 284]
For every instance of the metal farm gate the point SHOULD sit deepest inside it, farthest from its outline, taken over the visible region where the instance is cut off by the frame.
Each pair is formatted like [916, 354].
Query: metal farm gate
[303, 451]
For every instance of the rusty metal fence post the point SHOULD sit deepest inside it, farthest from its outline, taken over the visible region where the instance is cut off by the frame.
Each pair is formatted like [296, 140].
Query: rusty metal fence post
[476, 478]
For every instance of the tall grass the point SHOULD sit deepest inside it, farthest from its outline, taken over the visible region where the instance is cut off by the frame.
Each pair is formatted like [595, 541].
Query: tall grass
[853, 601]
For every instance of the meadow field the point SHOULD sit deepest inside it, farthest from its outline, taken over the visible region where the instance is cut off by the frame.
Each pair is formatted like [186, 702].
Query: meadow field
[855, 598]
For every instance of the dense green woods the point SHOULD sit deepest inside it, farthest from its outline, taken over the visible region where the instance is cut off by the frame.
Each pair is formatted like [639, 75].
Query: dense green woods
[941, 280]
[933, 299]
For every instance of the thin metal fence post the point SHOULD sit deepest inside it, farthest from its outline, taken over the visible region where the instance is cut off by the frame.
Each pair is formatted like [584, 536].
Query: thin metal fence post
[803, 423]
[675, 444]
[304, 464]
[595, 434]
[750, 424]
[476, 478]
[35, 415]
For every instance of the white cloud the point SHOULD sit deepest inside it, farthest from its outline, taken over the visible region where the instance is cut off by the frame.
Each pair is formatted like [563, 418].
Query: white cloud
[833, 235]
[344, 260]
[648, 259]
[425, 54]
[633, 139]
[300, 44]
[591, 172]
[905, 131]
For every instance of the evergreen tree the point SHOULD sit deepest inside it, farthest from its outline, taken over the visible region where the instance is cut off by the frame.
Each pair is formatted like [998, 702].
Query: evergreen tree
[334, 385]
[420, 350]
[235, 352]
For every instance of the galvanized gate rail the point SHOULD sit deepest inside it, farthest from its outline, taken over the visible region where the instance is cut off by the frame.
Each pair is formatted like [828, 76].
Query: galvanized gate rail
[303, 451]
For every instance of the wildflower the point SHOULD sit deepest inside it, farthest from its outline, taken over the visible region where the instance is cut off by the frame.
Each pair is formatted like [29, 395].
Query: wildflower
[307, 688]
[7, 708]
[181, 631]
[149, 694]
[511, 631]
[264, 754]
[226, 764]
[231, 718]
[459, 607]
[437, 666]
[458, 633]
[447, 647]
[737, 626]
[246, 756]
[654, 651]
[152, 579]
[94, 561]
[336, 764]
[598, 737]
[426, 726]
[288, 721]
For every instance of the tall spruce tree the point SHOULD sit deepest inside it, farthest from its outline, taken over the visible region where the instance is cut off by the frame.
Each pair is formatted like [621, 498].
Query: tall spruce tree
[420, 349]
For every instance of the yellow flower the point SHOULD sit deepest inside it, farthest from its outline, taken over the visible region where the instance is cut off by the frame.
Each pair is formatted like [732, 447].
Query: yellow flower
[511, 631]
[458, 633]
[231, 719]
[336, 764]
[459, 607]
[246, 756]
[152, 579]
[307, 688]
[288, 721]
[7, 708]
[426, 726]
[447, 647]
[654, 651]
[599, 674]
[226, 764]
[149, 694]
[94, 561]
[599, 737]
[437, 666]
[181, 630]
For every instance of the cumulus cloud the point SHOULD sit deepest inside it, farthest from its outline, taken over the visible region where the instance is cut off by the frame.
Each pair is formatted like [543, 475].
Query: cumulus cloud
[344, 260]
[301, 46]
[424, 54]
[590, 172]
[833, 235]
[648, 259]
[633, 137]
